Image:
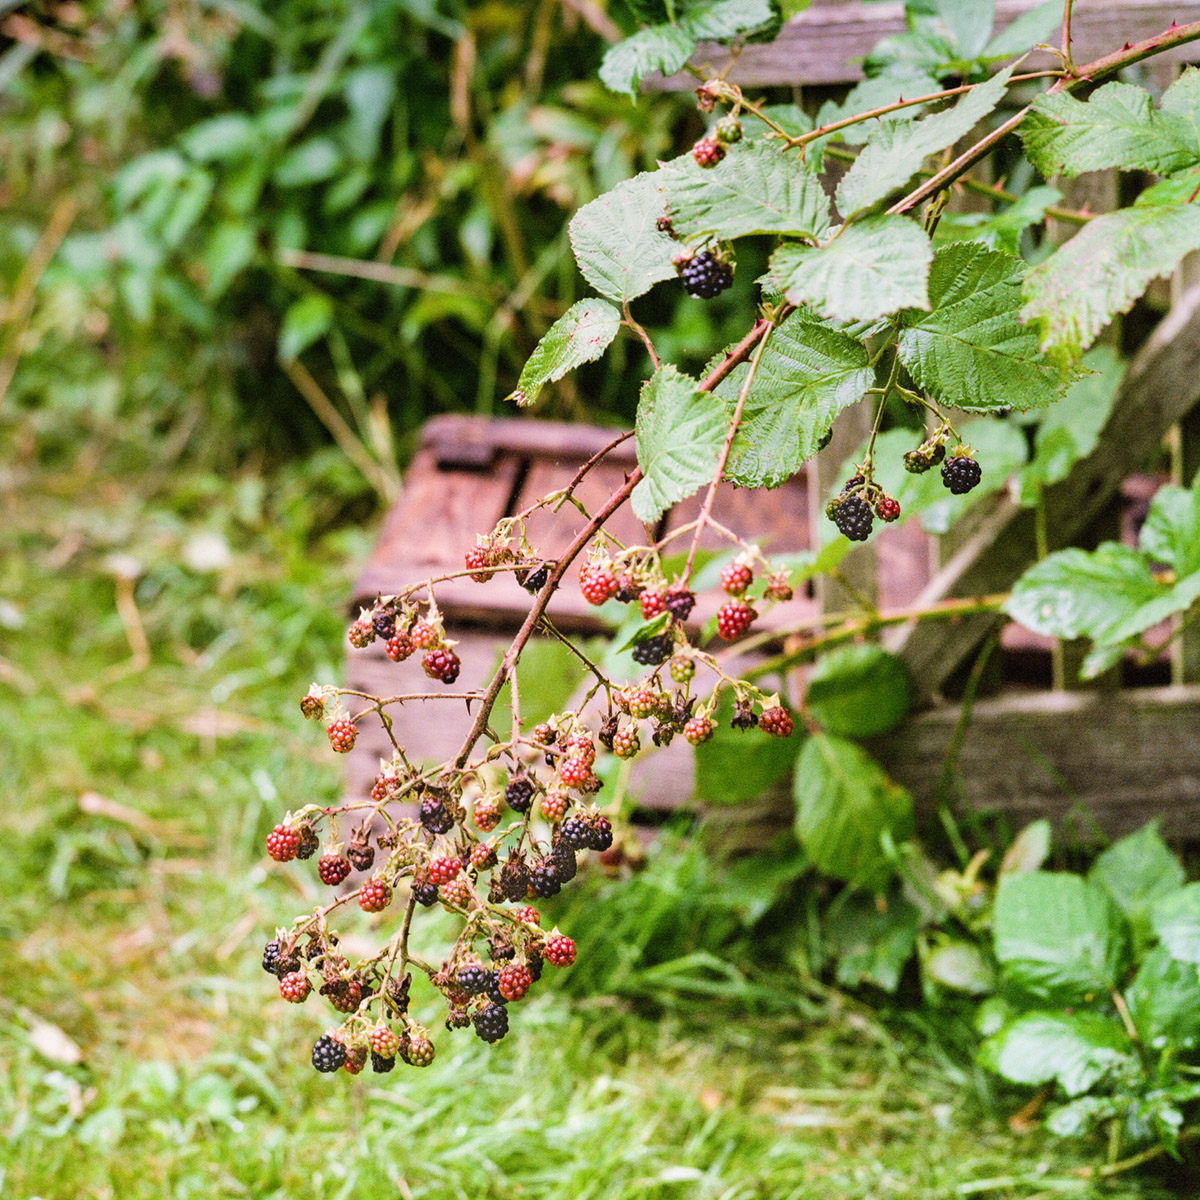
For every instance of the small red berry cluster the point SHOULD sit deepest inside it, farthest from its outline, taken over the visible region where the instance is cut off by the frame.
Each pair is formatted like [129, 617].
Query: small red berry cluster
[404, 631]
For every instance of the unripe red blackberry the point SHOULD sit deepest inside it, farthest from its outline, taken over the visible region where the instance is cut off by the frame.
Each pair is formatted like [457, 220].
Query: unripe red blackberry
[328, 1054]
[441, 663]
[960, 472]
[580, 745]
[344, 994]
[425, 635]
[708, 152]
[398, 647]
[514, 981]
[383, 1041]
[527, 914]
[332, 869]
[519, 793]
[295, 987]
[483, 856]
[554, 805]
[641, 702]
[679, 602]
[487, 814]
[420, 1051]
[652, 651]
[356, 1059]
[574, 772]
[778, 587]
[597, 582]
[374, 896]
[626, 742]
[544, 734]
[734, 617]
[456, 892]
[704, 274]
[887, 508]
[560, 950]
[282, 843]
[361, 632]
[736, 577]
[491, 1022]
[776, 721]
[697, 730]
[652, 604]
[478, 561]
[443, 869]
[342, 734]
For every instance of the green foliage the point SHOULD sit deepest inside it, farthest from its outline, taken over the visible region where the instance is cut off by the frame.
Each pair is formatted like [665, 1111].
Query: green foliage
[845, 808]
[859, 691]
[1115, 593]
[868, 270]
[580, 335]
[737, 765]
[679, 436]
[1076, 1050]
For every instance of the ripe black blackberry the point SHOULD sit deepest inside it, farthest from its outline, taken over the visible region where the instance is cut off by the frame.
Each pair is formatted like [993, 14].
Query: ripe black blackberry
[283, 962]
[309, 842]
[270, 956]
[679, 602]
[473, 978]
[544, 879]
[328, 1054]
[491, 989]
[381, 1065]
[426, 893]
[562, 859]
[533, 579]
[601, 834]
[434, 815]
[519, 793]
[960, 472]
[514, 879]
[705, 275]
[654, 650]
[384, 623]
[853, 517]
[576, 833]
[491, 1022]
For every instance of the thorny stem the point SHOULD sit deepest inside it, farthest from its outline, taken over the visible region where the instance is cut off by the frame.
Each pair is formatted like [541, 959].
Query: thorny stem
[734, 422]
[1176, 35]
[555, 632]
[1068, 63]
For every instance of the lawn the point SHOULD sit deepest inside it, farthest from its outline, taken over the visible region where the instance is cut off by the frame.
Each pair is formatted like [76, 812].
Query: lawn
[158, 624]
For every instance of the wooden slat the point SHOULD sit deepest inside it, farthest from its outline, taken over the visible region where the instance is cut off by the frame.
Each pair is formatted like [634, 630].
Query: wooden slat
[1086, 760]
[825, 43]
[1161, 384]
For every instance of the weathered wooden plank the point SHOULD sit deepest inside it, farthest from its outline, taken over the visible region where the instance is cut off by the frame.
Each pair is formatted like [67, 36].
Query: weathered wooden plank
[458, 436]
[825, 43]
[1086, 760]
[1161, 384]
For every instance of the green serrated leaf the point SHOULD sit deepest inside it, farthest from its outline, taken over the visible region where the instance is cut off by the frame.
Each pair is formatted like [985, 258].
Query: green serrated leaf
[1115, 127]
[859, 691]
[679, 434]
[1164, 1001]
[872, 942]
[736, 765]
[1176, 919]
[1074, 593]
[971, 351]
[616, 244]
[1136, 872]
[895, 153]
[869, 270]
[1077, 1049]
[965, 23]
[845, 803]
[1181, 104]
[754, 189]
[580, 335]
[877, 92]
[1073, 956]
[661, 48]
[645, 632]
[1028, 29]
[807, 374]
[1171, 533]
[726, 20]
[1072, 295]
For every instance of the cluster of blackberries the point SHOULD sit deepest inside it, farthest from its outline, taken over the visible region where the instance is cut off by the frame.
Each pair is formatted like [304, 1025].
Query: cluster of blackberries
[403, 634]
[705, 274]
[960, 472]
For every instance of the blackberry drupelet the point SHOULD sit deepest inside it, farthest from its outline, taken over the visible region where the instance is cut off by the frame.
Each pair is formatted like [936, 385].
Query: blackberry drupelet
[704, 275]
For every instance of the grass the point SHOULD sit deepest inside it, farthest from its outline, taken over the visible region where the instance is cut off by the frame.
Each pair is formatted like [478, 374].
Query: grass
[135, 904]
